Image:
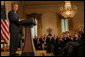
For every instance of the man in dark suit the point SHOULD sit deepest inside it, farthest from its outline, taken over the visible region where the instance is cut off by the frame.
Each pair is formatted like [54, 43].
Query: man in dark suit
[53, 44]
[14, 29]
[48, 43]
[37, 43]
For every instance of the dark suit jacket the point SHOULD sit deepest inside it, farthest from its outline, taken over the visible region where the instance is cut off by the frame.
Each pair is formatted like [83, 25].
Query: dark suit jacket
[53, 42]
[14, 22]
[48, 42]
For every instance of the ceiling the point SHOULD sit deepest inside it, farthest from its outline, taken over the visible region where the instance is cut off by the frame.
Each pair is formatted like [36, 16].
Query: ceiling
[41, 3]
[46, 2]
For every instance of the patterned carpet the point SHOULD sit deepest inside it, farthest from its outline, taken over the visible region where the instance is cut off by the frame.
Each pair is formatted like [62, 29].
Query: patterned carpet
[37, 53]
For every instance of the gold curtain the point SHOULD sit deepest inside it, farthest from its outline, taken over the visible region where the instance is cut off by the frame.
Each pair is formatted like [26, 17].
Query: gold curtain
[58, 23]
[71, 30]
[39, 23]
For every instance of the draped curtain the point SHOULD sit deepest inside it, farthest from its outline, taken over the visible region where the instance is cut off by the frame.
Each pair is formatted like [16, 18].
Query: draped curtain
[71, 30]
[39, 23]
[58, 23]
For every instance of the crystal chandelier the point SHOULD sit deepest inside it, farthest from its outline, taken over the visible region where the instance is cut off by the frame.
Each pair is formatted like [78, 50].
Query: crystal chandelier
[68, 10]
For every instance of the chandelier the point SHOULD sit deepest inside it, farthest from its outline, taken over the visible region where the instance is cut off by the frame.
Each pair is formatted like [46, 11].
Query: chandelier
[68, 10]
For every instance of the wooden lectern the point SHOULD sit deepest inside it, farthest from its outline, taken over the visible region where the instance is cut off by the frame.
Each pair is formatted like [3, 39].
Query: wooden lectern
[28, 49]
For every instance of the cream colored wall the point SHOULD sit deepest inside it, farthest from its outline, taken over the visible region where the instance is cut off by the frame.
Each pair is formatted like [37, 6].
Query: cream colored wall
[78, 20]
[49, 18]
[7, 6]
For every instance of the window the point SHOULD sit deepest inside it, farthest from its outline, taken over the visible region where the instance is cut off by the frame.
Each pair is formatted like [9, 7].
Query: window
[34, 30]
[64, 25]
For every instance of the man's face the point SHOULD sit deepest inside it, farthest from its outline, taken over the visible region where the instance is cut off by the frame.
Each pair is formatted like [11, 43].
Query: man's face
[15, 7]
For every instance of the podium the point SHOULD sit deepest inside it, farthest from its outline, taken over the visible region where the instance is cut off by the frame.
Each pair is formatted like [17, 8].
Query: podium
[28, 49]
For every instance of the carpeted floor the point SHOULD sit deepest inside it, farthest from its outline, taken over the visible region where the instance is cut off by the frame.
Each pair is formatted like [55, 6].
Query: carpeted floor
[37, 53]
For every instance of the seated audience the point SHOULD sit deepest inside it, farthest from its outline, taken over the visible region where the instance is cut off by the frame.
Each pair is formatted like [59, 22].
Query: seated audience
[63, 45]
